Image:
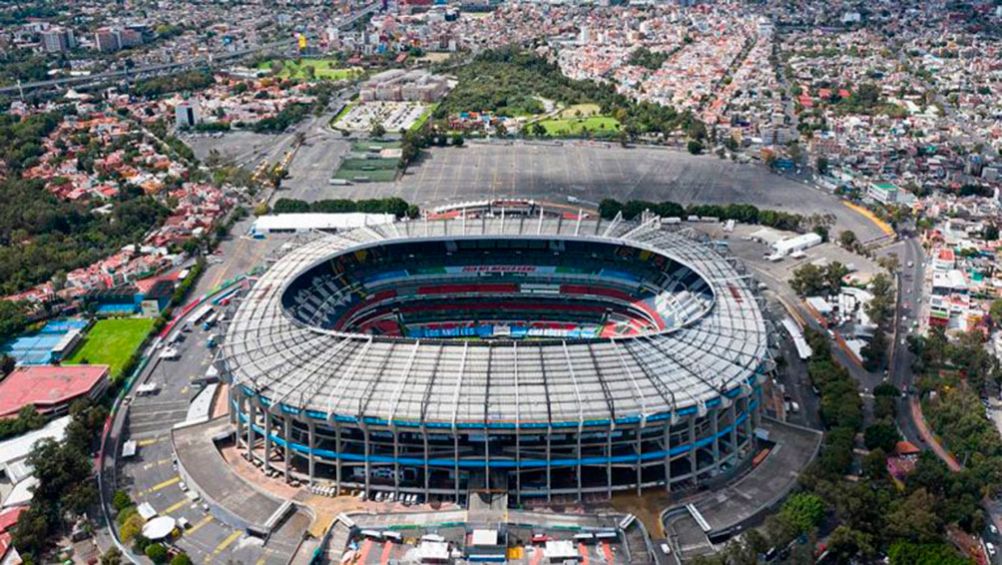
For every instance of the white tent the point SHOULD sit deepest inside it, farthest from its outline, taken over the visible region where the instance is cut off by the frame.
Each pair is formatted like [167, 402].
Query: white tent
[159, 528]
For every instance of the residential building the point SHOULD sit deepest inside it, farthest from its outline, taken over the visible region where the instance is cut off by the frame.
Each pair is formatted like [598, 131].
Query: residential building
[58, 40]
[186, 114]
[883, 192]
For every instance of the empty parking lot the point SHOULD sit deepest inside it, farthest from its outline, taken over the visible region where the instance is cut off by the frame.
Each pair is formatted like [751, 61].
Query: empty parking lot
[592, 171]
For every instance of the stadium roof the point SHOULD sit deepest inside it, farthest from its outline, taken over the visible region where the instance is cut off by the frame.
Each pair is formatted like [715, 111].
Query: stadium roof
[453, 383]
[47, 386]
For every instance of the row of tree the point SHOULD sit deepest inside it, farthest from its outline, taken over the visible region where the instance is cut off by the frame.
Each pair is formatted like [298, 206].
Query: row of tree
[815, 280]
[287, 116]
[396, 206]
[745, 213]
[190, 81]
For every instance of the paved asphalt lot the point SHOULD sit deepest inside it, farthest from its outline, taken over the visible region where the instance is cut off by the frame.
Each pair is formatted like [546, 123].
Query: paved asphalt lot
[151, 476]
[591, 172]
[747, 499]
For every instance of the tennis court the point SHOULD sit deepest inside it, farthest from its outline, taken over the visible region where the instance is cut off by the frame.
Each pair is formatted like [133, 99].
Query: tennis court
[36, 348]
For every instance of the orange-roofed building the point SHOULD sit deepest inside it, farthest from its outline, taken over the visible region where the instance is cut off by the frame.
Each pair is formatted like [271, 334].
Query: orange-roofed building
[50, 388]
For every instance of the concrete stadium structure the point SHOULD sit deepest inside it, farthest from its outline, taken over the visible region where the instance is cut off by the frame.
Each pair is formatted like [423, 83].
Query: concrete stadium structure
[539, 356]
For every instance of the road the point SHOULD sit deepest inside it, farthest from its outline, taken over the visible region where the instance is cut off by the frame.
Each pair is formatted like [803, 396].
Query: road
[151, 476]
[909, 307]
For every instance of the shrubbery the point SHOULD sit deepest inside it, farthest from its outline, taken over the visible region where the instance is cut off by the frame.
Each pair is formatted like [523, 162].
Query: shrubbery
[396, 206]
[744, 213]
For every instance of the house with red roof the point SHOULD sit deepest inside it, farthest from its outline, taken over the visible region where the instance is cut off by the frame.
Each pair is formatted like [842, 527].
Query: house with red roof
[8, 519]
[50, 388]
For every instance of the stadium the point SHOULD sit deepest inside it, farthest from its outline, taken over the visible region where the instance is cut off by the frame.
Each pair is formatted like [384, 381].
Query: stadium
[539, 356]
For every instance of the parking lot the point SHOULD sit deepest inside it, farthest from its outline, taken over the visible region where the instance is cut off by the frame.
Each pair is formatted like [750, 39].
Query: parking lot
[393, 116]
[591, 171]
[151, 476]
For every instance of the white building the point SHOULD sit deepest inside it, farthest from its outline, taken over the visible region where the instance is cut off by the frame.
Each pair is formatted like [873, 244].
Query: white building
[186, 114]
[883, 192]
[299, 223]
[797, 243]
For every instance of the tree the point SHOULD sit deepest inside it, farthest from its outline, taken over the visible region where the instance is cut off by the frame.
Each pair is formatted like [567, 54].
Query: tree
[694, 146]
[906, 553]
[608, 208]
[276, 175]
[995, 311]
[376, 130]
[885, 400]
[881, 306]
[810, 279]
[915, 518]
[13, 319]
[834, 273]
[112, 557]
[822, 165]
[500, 130]
[58, 470]
[457, 140]
[181, 559]
[846, 543]
[132, 527]
[875, 352]
[7, 364]
[889, 262]
[32, 530]
[882, 435]
[804, 511]
[120, 501]
[875, 465]
[847, 239]
[156, 552]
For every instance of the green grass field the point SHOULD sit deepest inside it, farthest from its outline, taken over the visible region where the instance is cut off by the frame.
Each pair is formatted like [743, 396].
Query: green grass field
[323, 69]
[112, 342]
[596, 125]
[369, 164]
[586, 110]
[377, 175]
[363, 146]
[424, 117]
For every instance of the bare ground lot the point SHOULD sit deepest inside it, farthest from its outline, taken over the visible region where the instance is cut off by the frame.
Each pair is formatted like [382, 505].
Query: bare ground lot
[592, 172]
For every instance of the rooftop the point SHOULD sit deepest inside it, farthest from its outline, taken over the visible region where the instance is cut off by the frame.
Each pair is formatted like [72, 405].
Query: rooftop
[506, 383]
[46, 386]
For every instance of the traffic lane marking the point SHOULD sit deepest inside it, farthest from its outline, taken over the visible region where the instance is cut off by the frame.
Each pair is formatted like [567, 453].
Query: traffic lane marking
[227, 541]
[177, 506]
[198, 525]
[148, 466]
[163, 485]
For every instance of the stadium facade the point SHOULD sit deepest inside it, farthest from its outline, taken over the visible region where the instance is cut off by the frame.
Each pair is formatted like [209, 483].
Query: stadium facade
[544, 356]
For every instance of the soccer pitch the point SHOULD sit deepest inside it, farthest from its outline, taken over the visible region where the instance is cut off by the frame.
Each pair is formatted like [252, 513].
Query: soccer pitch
[112, 342]
[596, 125]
